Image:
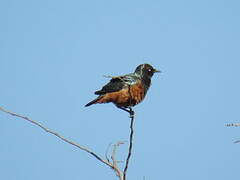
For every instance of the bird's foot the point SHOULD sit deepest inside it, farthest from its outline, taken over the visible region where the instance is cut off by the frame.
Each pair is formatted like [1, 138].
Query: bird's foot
[131, 112]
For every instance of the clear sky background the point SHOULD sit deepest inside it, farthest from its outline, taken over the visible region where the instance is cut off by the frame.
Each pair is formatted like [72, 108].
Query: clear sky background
[53, 55]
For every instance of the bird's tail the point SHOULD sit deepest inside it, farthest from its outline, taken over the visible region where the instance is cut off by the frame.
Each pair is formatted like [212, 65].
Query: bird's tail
[93, 101]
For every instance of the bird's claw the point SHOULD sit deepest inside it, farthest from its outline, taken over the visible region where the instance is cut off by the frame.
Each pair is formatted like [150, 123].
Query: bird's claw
[131, 112]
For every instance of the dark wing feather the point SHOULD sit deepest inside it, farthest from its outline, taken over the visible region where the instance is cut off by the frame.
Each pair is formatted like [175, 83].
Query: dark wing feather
[115, 84]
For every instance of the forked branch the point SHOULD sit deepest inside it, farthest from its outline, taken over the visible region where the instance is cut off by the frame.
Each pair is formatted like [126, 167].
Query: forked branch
[58, 135]
[113, 165]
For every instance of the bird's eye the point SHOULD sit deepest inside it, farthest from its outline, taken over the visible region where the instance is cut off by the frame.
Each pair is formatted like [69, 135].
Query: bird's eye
[149, 70]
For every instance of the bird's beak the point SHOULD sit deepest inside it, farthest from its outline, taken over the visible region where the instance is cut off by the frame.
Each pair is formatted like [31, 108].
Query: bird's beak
[156, 71]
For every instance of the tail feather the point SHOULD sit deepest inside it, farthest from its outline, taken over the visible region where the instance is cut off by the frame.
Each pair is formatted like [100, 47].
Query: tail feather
[92, 102]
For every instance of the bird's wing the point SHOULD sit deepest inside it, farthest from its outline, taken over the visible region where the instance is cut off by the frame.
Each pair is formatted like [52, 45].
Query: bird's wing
[116, 83]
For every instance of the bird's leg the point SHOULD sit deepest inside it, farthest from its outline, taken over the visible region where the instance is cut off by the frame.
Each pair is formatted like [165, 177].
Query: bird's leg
[130, 111]
[125, 109]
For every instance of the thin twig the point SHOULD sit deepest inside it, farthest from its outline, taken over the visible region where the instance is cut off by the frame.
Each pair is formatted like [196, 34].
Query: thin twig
[114, 161]
[106, 152]
[233, 124]
[238, 141]
[115, 146]
[129, 149]
[59, 136]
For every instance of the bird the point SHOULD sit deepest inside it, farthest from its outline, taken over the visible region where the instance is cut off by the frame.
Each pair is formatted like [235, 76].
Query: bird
[127, 90]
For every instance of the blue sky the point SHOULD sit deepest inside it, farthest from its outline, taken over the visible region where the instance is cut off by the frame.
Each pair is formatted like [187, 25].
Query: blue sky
[53, 55]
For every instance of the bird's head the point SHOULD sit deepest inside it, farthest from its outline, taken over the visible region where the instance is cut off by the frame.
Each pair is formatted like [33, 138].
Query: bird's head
[146, 70]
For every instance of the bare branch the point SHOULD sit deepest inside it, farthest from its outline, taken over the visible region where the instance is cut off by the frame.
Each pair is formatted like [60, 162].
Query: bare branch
[238, 141]
[112, 165]
[59, 136]
[129, 149]
[115, 146]
[106, 152]
[232, 124]
[115, 162]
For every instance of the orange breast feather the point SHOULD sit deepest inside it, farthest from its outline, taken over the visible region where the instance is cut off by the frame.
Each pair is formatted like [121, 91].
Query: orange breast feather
[129, 96]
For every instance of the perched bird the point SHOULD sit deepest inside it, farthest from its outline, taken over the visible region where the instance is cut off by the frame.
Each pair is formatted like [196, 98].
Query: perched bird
[128, 90]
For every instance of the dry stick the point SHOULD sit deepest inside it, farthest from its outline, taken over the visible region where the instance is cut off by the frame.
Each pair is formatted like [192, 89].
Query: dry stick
[62, 138]
[238, 141]
[106, 152]
[114, 154]
[233, 124]
[114, 161]
[129, 149]
[115, 168]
